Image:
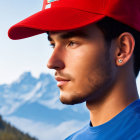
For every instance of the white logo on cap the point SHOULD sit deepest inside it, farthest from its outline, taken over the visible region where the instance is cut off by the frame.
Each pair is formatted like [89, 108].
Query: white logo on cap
[47, 3]
[48, 6]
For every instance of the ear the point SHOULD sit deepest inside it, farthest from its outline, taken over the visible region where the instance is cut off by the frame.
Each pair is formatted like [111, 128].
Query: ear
[125, 47]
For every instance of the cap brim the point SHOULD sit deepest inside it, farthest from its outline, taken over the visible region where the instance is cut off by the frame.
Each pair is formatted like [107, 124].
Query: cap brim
[58, 19]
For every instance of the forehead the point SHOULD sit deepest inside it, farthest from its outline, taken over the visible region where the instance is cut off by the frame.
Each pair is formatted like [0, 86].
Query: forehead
[85, 32]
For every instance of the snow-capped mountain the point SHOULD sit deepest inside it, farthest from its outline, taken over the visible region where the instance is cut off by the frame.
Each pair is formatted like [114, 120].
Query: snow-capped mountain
[32, 104]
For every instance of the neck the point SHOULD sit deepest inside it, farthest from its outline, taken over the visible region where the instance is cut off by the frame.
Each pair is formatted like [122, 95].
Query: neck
[118, 98]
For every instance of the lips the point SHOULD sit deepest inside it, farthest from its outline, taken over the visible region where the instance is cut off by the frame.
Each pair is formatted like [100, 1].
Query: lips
[61, 81]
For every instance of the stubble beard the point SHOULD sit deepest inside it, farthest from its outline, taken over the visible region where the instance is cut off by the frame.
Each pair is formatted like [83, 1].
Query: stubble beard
[100, 88]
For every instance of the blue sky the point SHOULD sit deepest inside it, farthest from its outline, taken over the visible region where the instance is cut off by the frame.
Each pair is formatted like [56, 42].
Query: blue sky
[29, 54]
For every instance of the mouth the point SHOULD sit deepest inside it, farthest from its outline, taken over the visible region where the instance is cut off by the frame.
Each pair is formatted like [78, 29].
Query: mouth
[61, 81]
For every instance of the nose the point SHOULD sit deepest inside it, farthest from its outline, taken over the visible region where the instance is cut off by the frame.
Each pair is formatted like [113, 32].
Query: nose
[56, 60]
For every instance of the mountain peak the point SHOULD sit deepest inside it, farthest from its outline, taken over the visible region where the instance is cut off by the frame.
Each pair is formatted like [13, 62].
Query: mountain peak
[26, 75]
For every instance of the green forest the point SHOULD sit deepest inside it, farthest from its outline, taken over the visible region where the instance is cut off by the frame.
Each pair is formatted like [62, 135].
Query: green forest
[8, 132]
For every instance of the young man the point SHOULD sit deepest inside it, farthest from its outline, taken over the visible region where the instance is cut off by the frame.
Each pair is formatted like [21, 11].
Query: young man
[96, 58]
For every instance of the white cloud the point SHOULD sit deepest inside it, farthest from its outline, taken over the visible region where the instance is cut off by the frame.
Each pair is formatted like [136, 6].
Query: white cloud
[46, 131]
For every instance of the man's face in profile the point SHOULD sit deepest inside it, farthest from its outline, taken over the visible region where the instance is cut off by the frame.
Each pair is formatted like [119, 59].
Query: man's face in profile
[82, 62]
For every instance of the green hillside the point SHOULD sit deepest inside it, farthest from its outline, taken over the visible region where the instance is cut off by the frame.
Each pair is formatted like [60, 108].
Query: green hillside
[8, 132]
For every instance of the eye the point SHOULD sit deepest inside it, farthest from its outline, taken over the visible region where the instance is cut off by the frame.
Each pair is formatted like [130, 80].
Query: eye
[72, 44]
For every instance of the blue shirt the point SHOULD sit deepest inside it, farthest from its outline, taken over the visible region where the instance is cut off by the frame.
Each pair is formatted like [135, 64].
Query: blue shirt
[124, 126]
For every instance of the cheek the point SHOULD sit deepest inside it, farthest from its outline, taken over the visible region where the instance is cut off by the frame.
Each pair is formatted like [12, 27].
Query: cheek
[85, 66]
[84, 61]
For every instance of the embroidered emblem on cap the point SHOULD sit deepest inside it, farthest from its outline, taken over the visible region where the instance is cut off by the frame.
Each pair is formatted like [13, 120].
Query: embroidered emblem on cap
[47, 4]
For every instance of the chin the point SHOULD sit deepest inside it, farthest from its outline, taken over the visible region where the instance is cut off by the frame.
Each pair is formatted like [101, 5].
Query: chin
[68, 99]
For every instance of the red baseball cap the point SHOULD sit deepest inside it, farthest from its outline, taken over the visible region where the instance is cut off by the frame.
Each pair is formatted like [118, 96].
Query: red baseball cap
[60, 15]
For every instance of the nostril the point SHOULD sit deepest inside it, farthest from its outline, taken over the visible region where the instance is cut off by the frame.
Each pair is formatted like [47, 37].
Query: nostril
[57, 68]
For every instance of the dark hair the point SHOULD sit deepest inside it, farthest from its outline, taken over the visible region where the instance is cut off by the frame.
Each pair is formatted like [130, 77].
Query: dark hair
[112, 29]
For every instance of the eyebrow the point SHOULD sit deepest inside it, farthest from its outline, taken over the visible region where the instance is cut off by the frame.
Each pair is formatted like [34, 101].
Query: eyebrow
[68, 35]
